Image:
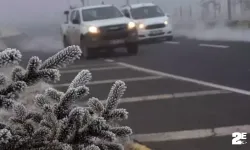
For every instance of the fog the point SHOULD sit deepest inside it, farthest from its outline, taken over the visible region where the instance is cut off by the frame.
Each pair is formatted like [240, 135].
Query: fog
[40, 20]
[46, 12]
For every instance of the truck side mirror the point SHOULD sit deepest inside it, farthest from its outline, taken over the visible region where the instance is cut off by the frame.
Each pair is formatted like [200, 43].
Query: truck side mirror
[66, 12]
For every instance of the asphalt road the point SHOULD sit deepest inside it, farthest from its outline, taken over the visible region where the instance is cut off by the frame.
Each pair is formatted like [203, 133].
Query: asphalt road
[186, 94]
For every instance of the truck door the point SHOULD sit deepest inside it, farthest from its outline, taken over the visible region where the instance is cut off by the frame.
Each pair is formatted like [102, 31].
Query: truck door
[71, 27]
[76, 28]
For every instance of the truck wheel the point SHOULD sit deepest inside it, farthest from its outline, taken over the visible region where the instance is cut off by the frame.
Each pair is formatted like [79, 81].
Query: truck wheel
[87, 52]
[65, 42]
[133, 49]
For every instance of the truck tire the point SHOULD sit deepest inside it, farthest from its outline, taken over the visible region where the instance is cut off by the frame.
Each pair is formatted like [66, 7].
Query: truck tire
[133, 49]
[87, 53]
[65, 42]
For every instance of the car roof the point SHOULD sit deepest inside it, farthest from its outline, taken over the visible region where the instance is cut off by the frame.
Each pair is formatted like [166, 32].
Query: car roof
[93, 6]
[139, 5]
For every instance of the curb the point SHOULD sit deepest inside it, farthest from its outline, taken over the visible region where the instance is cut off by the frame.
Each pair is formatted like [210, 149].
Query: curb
[136, 145]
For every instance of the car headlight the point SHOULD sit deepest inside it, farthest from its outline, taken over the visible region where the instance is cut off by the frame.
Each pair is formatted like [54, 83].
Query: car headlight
[141, 26]
[93, 29]
[131, 25]
[166, 22]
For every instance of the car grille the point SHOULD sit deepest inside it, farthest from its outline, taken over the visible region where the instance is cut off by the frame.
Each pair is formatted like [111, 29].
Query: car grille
[114, 32]
[156, 26]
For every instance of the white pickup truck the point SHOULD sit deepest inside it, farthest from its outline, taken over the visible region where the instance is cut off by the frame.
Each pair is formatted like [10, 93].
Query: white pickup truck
[101, 27]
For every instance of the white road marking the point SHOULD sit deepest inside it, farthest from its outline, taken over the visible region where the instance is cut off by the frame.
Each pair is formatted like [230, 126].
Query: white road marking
[215, 46]
[180, 78]
[108, 60]
[93, 69]
[91, 65]
[113, 80]
[172, 42]
[191, 134]
[170, 96]
[166, 96]
[199, 93]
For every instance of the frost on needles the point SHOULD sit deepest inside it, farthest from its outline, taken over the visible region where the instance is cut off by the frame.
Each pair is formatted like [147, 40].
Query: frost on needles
[58, 123]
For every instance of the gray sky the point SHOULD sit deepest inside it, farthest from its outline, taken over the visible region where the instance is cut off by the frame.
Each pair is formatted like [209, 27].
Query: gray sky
[17, 12]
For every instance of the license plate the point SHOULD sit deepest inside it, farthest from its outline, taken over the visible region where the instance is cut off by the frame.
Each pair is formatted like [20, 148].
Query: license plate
[114, 42]
[156, 32]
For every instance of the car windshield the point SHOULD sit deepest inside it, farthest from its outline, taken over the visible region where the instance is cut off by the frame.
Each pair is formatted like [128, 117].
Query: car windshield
[101, 13]
[146, 12]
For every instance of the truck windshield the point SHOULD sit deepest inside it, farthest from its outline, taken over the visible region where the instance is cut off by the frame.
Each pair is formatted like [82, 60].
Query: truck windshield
[101, 13]
[146, 12]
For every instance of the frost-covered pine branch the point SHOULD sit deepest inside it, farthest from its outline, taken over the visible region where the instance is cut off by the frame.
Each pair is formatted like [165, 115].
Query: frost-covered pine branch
[59, 124]
[3, 80]
[63, 58]
[35, 72]
[10, 57]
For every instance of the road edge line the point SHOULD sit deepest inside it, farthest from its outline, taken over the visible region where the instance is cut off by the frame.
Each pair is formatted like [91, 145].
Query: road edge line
[191, 134]
[214, 46]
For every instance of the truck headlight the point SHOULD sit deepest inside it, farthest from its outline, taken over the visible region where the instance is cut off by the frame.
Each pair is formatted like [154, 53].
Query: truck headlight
[166, 22]
[93, 29]
[131, 25]
[141, 26]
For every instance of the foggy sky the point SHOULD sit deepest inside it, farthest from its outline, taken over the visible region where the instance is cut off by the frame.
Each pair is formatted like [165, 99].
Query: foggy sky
[22, 12]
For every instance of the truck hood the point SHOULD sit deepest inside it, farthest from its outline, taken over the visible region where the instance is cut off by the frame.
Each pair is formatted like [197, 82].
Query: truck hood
[149, 21]
[106, 22]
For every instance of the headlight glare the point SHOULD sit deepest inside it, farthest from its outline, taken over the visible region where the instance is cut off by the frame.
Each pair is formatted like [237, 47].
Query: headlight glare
[141, 26]
[93, 29]
[131, 25]
[166, 22]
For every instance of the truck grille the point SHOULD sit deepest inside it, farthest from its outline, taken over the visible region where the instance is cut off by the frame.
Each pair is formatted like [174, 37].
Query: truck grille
[114, 32]
[156, 26]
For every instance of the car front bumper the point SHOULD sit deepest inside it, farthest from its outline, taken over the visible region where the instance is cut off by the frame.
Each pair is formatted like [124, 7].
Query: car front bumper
[96, 41]
[154, 34]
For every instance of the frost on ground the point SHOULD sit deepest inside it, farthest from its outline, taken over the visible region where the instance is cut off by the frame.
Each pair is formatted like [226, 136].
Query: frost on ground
[42, 43]
[218, 32]
[2, 45]
[34, 43]
[44, 38]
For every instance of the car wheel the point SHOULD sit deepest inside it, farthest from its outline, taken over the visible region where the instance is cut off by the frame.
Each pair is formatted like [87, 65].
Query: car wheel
[133, 49]
[65, 42]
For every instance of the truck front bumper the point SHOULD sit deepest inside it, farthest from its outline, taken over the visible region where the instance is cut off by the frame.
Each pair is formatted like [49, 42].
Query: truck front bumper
[96, 41]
